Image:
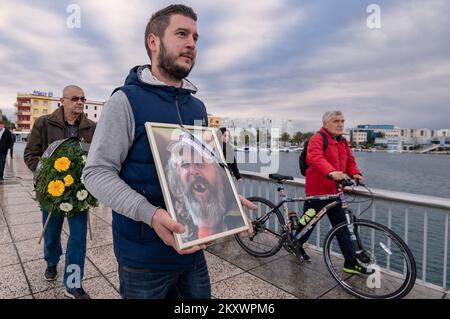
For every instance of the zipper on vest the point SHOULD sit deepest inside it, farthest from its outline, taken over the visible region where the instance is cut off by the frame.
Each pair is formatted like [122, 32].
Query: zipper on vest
[178, 110]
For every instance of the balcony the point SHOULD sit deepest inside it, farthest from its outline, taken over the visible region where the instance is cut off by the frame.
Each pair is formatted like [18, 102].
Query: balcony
[23, 113]
[19, 122]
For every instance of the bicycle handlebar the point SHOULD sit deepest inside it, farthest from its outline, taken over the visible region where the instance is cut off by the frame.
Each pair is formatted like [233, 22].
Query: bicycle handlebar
[349, 182]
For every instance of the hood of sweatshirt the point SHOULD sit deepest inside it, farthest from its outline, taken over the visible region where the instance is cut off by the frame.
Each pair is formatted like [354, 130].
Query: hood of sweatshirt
[142, 75]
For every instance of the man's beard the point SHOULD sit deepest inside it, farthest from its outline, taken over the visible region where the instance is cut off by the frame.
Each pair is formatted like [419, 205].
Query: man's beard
[168, 66]
[210, 210]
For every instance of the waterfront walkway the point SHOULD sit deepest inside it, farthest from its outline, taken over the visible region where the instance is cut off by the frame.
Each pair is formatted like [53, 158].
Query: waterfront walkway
[234, 274]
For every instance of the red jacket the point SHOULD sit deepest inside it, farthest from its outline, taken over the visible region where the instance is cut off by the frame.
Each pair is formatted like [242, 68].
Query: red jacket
[337, 157]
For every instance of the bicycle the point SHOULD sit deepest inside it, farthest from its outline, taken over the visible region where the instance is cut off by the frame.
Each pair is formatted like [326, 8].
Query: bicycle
[391, 261]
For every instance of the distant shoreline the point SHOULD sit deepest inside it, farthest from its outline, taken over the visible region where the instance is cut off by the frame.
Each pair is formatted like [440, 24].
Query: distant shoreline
[298, 150]
[402, 152]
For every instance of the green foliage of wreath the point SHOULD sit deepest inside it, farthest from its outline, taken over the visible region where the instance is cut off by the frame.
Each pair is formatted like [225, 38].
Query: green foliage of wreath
[59, 186]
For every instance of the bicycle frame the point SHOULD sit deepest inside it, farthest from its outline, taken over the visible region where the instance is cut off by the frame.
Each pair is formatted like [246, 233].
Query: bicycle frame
[338, 199]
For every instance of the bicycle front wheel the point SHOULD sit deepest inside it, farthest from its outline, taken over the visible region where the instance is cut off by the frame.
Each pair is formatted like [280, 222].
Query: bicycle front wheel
[267, 237]
[392, 263]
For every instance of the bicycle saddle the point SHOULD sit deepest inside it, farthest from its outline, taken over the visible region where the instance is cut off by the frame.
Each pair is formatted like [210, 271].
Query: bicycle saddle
[280, 178]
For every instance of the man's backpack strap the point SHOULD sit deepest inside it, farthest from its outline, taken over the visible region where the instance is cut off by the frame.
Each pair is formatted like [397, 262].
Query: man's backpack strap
[302, 158]
[325, 141]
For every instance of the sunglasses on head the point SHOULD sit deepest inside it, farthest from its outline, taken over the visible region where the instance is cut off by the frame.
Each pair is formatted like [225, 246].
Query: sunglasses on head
[76, 98]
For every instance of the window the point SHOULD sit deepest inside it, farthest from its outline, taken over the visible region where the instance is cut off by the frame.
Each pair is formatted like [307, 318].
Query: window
[95, 115]
[95, 108]
[35, 102]
[45, 103]
[86, 107]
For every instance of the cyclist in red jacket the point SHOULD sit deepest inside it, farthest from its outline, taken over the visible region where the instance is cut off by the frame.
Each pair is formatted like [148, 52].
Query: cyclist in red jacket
[325, 168]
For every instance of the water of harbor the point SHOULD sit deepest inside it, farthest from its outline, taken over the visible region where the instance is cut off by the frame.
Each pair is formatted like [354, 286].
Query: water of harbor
[424, 174]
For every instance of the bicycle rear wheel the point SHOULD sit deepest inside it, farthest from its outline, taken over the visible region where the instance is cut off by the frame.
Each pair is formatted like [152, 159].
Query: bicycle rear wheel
[391, 259]
[267, 237]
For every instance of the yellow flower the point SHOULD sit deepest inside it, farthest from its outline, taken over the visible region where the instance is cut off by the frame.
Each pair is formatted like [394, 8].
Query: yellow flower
[56, 188]
[68, 180]
[62, 164]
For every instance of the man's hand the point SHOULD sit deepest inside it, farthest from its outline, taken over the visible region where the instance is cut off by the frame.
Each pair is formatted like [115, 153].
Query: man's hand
[165, 226]
[358, 178]
[337, 176]
[246, 203]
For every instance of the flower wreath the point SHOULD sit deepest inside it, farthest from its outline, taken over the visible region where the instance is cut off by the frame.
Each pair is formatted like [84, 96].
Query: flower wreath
[58, 179]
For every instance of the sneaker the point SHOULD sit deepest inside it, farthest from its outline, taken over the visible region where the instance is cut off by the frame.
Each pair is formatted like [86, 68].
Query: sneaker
[363, 257]
[304, 254]
[356, 269]
[50, 273]
[76, 293]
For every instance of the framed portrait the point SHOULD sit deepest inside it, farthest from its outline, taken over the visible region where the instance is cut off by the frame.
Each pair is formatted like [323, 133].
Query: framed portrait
[197, 185]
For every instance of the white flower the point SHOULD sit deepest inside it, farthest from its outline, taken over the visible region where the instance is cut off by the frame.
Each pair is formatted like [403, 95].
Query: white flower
[66, 207]
[82, 179]
[81, 195]
[84, 157]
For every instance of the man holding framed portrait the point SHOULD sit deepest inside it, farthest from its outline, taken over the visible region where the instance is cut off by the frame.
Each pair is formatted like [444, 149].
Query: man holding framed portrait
[121, 171]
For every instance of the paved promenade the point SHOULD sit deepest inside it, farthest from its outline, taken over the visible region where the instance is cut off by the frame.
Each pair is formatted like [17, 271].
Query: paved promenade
[234, 274]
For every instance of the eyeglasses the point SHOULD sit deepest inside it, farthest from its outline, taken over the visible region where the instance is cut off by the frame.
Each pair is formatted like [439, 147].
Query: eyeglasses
[76, 98]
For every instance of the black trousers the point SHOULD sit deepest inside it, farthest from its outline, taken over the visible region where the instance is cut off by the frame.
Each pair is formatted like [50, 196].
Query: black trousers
[2, 162]
[336, 215]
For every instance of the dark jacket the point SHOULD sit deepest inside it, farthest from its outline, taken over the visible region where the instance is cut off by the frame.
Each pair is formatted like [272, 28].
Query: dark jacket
[50, 128]
[6, 141]
[337, 157]
[228, 150]
[136, 245]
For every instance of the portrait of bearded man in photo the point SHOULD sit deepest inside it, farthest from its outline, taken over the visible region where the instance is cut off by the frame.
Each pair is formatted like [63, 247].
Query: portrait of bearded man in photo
[199, 188]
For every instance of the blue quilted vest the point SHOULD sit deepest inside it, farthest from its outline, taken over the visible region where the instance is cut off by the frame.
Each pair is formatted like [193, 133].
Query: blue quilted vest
[136, 244]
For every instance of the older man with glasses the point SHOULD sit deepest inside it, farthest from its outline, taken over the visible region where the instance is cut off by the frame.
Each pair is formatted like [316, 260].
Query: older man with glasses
[67, 121]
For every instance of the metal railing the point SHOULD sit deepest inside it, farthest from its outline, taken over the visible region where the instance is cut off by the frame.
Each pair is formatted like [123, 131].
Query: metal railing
[422, 221]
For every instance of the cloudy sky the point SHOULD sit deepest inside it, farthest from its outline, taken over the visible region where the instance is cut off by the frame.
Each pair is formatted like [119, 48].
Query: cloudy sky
[288, 59]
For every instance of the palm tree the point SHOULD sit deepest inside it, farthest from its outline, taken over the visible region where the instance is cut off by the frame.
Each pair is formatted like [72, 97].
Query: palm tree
[285, 137]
